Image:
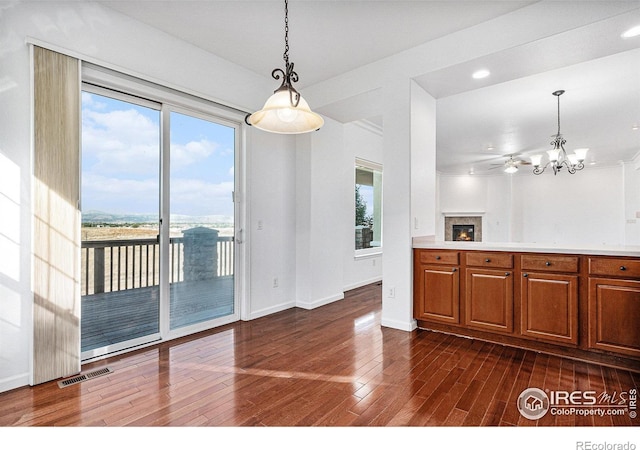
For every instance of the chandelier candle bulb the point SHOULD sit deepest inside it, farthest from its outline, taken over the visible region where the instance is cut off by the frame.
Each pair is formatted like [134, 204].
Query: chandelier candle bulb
[553, 155]
[581, 154]
[536, 160]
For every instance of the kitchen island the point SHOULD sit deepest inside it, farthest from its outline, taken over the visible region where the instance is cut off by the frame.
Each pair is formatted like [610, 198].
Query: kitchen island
[578, 302]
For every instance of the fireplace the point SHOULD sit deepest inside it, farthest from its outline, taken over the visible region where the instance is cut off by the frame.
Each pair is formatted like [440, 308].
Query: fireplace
[463, 228]
[462, 233]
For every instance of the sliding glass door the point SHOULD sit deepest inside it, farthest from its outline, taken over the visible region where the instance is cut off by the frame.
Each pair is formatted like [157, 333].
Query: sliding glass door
[120, 296]
[202, 222]
[158, 221]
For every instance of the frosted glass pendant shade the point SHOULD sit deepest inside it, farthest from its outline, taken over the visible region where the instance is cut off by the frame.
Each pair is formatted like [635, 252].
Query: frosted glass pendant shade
[536, 160]
[581, 153]
[278, 115]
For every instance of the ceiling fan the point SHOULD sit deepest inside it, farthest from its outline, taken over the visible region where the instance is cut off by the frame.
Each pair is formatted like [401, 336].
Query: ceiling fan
[511, 165]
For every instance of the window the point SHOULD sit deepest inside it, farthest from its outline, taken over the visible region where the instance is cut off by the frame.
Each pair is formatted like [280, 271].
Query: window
[368, 207]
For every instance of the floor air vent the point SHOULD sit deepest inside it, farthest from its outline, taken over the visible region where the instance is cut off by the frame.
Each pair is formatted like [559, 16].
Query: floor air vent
[84, 377]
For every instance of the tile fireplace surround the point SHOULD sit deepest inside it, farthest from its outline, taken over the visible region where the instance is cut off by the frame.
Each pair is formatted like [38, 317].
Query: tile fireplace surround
[449, 221]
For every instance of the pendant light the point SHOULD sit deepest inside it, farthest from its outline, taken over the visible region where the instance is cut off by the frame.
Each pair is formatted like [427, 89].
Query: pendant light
[558, 157]
[285, 112]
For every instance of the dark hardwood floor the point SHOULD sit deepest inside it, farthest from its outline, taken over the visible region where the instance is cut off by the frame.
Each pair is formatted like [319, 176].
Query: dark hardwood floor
[332, 366]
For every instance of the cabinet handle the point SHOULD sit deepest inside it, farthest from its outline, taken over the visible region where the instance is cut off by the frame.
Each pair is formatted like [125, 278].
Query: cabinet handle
[487, 260]
[547, 263]
[525, 275]
[437, 257]
[623, 268]
[454, 270]
[506, 274]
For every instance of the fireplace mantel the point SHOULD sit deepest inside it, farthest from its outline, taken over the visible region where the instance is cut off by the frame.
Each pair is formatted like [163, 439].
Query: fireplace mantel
[462, 214]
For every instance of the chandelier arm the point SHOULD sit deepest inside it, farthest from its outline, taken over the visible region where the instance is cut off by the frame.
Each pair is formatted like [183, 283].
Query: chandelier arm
[538, 171]
[570, 168]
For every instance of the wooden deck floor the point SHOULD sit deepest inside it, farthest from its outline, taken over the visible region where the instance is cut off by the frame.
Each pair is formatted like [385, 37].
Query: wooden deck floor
[334, 366]
[112, 317]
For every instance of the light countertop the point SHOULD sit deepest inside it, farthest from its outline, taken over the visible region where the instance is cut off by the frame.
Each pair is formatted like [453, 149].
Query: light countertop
[428, 242]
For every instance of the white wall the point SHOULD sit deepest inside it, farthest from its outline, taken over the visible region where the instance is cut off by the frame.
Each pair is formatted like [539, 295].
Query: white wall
[272, 223]
[104, 37]
[632, 201]
[400, 99]
[323, 180]
[423, 162]
[581, 209]
[365, 143]
[584, 208]
[489, 195]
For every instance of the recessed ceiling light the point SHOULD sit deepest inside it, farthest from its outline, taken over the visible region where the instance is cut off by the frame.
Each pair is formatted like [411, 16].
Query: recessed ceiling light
[635, 127]
[632, 32]
[478, 74]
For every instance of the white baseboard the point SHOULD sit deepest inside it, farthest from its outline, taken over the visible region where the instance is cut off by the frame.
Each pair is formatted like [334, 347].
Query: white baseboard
[270, 310]
[320, 302]
[7, 384]
[399, 325]
[362, 283]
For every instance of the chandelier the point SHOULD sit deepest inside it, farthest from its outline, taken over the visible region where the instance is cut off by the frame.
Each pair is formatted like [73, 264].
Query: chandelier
[285, 112]
[558, 157]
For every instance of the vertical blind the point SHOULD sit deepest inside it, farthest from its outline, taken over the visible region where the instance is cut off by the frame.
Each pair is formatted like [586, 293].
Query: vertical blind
[56, 216]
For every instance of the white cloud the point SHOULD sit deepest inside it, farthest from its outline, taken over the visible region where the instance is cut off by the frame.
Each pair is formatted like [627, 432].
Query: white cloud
[197, 197]
[183, 155]
[122, 141]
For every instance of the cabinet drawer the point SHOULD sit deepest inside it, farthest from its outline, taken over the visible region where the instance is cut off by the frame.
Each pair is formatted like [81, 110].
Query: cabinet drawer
[628, 268]
[501, 260]
[550, 263]
[439, 257]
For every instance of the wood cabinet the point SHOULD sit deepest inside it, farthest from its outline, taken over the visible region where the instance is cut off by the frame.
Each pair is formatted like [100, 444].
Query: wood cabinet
[550, 307]
[614, 305]
[436, 287]
[580, 306]
[489, 292]
[550, 297]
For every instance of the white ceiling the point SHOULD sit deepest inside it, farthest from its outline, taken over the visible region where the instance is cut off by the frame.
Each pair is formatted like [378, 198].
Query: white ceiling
[512, 111]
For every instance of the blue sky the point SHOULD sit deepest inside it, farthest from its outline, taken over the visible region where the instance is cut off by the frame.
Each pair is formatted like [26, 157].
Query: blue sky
[366, 193]
[121, 160]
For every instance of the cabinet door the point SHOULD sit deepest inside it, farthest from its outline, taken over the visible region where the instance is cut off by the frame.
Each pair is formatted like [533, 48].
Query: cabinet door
[437, 294]
[550, 307]
[614, 315]
[489, 300]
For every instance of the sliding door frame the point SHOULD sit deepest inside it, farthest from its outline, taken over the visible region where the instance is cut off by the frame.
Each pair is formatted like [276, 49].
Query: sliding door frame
[98, 77]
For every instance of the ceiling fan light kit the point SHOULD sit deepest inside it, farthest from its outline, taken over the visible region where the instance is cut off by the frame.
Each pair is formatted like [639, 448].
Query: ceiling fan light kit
[285, 112]
[558, 157]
